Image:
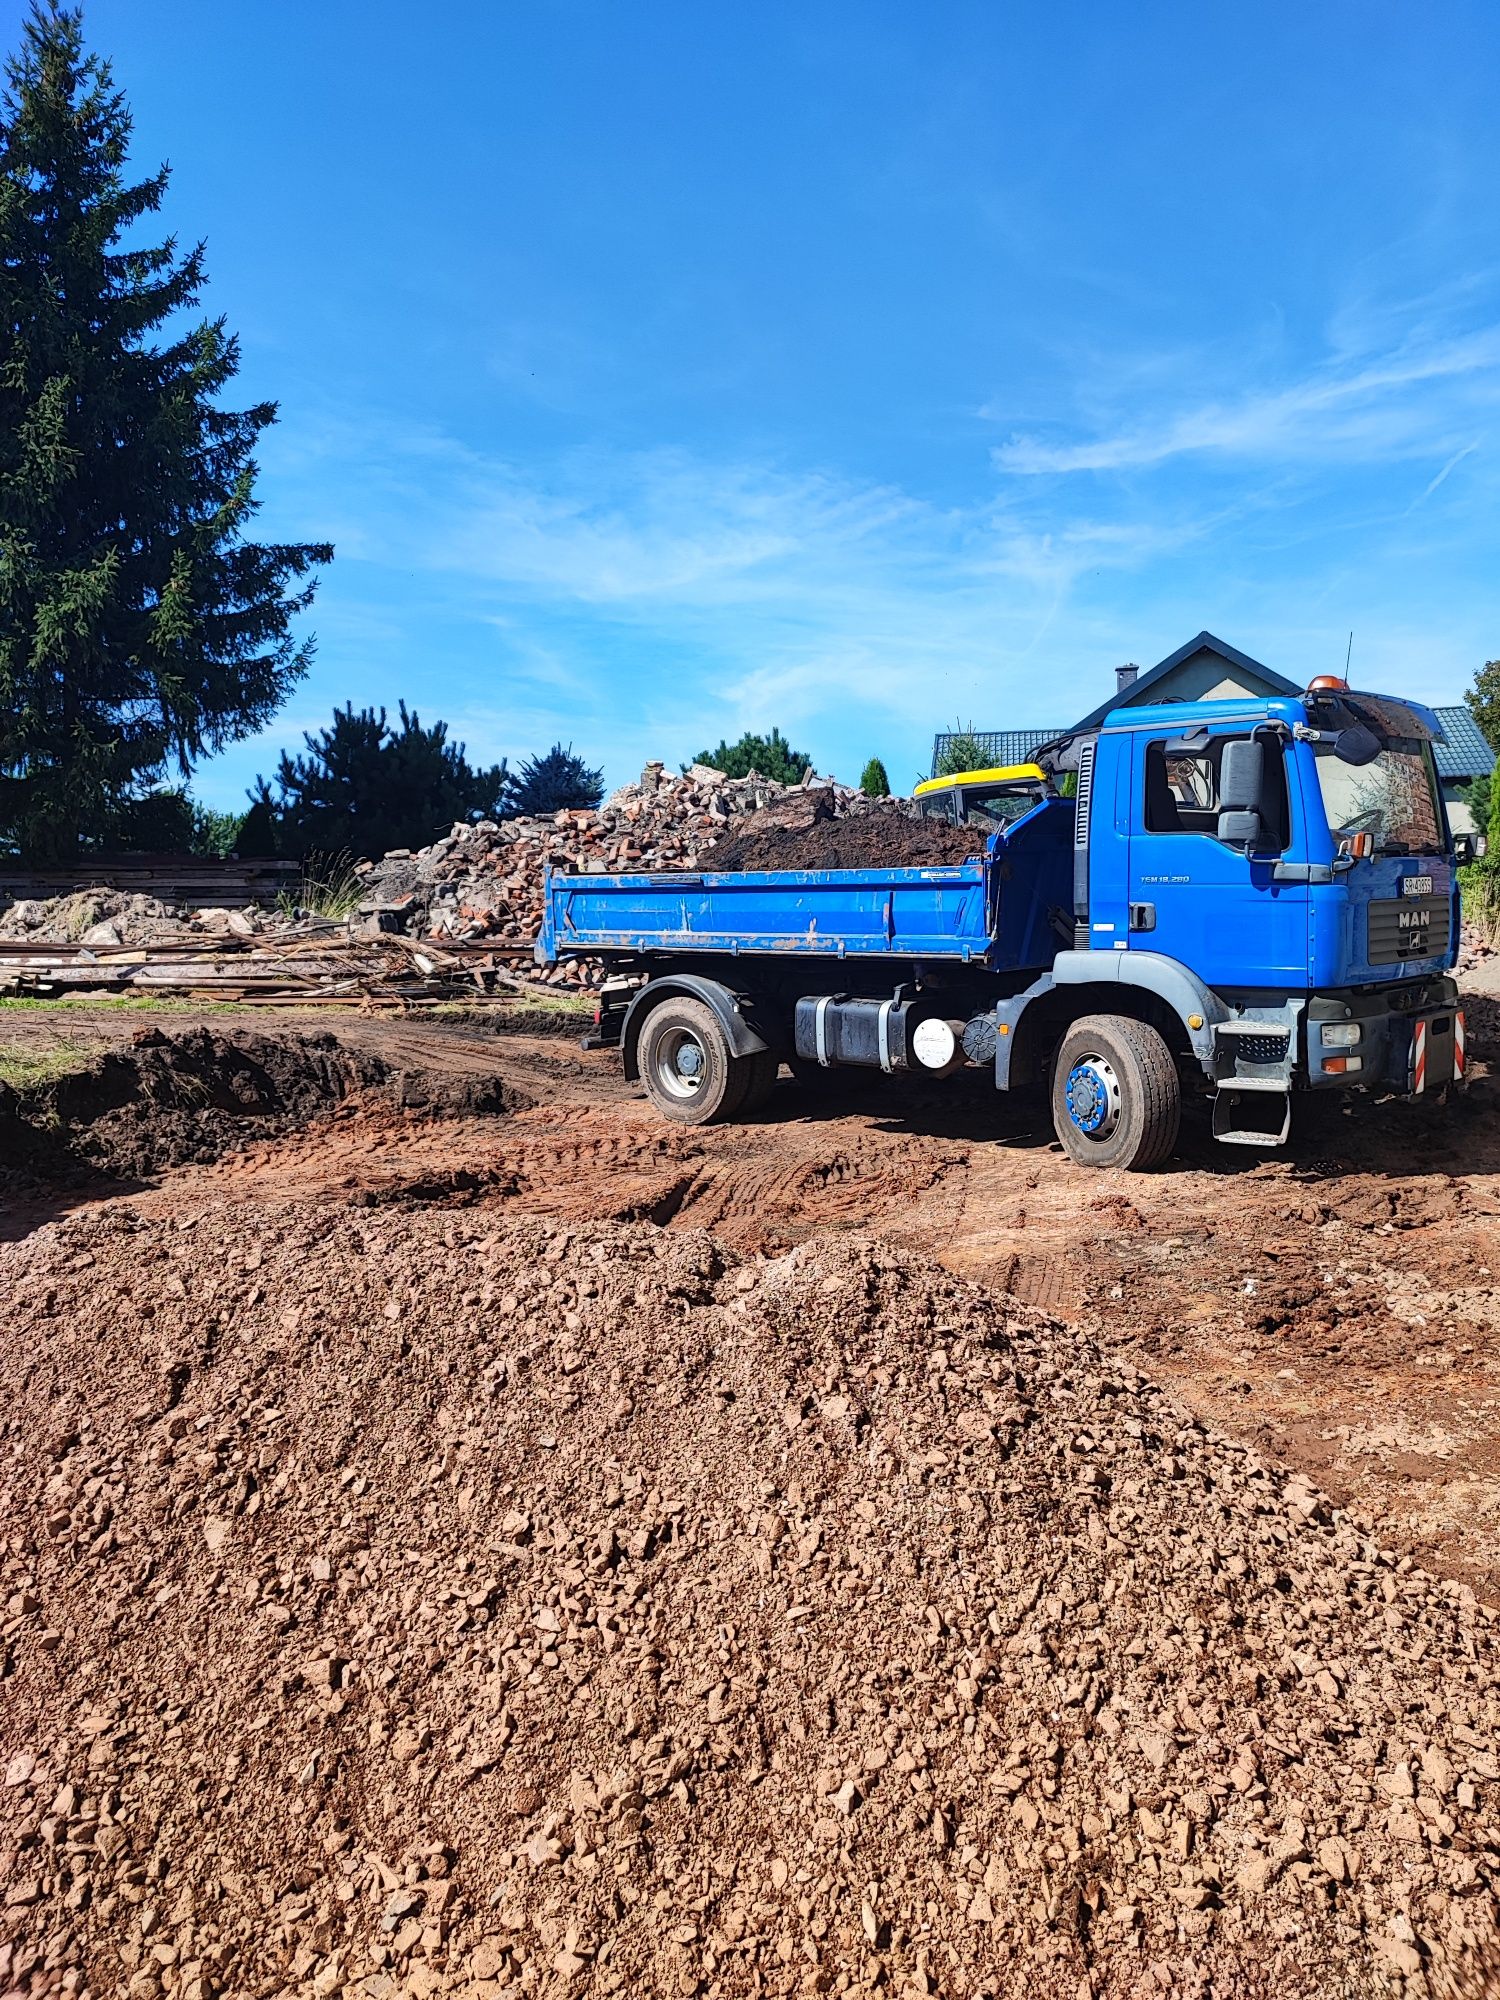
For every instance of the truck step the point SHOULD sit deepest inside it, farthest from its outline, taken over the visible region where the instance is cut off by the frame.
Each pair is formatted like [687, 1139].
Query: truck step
[1254, 1117]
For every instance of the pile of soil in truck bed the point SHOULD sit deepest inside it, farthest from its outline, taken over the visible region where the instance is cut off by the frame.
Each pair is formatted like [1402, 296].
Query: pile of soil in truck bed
[400, 1604]
[889, 838]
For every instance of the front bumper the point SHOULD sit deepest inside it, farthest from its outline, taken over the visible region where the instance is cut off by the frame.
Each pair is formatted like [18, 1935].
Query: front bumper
[1411, 1037]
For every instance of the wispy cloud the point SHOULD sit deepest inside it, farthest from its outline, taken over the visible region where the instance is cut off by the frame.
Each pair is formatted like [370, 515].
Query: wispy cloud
[1385, 408]
[639, 599]
[644, 603]
[1464, 451]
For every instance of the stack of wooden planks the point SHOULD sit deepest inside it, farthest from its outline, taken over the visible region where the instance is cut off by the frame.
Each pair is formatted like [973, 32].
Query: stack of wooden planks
[317, 963]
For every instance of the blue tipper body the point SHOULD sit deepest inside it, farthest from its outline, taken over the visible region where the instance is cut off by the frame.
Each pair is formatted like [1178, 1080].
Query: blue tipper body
[959, 912]
[925, 912]
[1311, 950]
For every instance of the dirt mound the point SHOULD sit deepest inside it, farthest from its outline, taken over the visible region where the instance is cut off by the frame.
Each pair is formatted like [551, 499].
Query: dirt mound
[401, 1603]
[167, 1100]
[884, 837]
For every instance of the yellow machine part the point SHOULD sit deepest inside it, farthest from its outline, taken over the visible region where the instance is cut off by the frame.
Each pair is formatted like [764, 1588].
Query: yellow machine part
[1003, 775]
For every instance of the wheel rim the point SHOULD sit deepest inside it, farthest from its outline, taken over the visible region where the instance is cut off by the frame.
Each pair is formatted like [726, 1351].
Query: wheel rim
[679, 1064]
[1093, 1097]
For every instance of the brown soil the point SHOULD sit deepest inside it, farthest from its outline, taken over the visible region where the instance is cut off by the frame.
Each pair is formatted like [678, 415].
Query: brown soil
[481, 1604]
[422, 1301]
[875, 839]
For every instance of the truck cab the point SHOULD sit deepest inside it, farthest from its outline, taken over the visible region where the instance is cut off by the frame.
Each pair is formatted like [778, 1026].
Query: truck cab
[1293, 857]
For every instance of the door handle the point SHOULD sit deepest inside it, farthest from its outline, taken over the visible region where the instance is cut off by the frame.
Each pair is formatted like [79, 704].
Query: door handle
[1143, 916]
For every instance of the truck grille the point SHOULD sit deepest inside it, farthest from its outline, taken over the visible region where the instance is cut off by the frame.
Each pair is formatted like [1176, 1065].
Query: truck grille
[1413, 927]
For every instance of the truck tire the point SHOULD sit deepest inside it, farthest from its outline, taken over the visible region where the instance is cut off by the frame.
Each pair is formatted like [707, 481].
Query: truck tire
[765, 1067]
[690, 1073]
[1116, 1094]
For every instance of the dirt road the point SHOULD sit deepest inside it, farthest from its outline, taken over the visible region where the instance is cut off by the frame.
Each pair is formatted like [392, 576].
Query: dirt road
[1338, 1305]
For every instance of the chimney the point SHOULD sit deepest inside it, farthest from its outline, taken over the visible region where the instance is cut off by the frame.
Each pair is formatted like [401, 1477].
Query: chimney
[1124, 676]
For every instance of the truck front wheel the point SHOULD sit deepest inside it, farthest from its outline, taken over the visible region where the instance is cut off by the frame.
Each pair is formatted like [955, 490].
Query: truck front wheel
[1116, 1095]
[690, 1072]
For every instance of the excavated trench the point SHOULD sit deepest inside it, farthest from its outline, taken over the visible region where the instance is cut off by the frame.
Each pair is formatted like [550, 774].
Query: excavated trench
[161, 1101]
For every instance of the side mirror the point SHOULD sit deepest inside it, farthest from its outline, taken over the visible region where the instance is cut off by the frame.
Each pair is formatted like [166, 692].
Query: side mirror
[1356, 745]
[1240, 829]
[1242, 785]
[1464, 848]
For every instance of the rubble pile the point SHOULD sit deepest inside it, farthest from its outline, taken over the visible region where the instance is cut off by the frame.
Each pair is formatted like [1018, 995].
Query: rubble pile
[404, 1602]
[485, 881]
[107, 919]
[1474, 948]
[482, 883]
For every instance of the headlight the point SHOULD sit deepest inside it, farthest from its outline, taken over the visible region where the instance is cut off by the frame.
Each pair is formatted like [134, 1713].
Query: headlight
[1341, 1034]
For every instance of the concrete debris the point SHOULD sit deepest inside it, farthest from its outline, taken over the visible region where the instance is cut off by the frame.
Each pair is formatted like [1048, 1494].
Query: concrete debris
[485, 881]
[600, 1623]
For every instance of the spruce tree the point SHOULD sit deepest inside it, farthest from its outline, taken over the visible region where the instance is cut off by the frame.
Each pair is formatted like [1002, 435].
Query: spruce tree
[558, 782]
[140, 627]
[873, 781]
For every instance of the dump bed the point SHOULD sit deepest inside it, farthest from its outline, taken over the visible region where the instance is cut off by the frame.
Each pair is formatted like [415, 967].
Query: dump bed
[835, 912]
[997, 908]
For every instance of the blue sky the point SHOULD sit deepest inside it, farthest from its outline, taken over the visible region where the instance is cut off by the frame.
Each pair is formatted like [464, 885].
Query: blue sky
[667, 369]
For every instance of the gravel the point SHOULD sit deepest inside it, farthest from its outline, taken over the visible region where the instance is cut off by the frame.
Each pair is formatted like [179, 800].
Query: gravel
[417, 1602]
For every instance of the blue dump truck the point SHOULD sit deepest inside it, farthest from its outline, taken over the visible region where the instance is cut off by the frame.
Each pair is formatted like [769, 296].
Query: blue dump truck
[1244, 899]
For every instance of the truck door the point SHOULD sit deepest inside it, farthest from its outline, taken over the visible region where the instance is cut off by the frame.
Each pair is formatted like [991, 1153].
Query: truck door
[1213, 907]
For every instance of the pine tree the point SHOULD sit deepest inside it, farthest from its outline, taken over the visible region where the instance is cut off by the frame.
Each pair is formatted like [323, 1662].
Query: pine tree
[139, 626]
[558, 782]
[364, 787]
[767, 756]
[873, 781]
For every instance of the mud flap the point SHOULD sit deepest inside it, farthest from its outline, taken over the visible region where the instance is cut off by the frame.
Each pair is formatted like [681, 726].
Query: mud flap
[1437, 1052]
[1252, 1117]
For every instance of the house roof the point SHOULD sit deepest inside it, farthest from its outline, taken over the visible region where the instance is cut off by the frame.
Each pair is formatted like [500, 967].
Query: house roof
[1205, 642]
[1462, 751]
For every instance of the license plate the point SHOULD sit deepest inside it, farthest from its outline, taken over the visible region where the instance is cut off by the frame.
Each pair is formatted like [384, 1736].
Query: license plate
[1416, 885]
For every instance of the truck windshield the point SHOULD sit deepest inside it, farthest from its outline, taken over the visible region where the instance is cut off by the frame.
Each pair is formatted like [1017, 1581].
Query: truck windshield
[1394, 799]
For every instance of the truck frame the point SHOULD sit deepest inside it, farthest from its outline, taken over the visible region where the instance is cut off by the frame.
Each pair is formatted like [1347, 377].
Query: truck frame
[1247, 899]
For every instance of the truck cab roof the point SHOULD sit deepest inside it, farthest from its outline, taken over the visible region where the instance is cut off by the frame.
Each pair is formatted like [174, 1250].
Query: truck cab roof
[1398, 715]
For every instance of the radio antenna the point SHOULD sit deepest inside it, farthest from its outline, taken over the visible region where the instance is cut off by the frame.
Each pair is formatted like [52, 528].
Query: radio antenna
[1348, 656]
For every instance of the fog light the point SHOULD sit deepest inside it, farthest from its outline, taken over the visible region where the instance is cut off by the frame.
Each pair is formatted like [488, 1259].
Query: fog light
[1342, 1065]
[1341, 1034]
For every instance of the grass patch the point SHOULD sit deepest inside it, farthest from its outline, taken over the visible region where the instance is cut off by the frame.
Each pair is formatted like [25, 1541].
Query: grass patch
[551, 1006]
[331, 887]
[113, 1003]
[33, 1069]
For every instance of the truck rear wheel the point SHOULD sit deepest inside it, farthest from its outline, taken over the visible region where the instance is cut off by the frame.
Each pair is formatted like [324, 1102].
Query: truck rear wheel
[765, 1067]
[1116, 1095]
[691, 1074]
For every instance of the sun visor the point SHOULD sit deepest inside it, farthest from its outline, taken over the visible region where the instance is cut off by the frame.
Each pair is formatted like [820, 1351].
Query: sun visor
[1380, 712]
